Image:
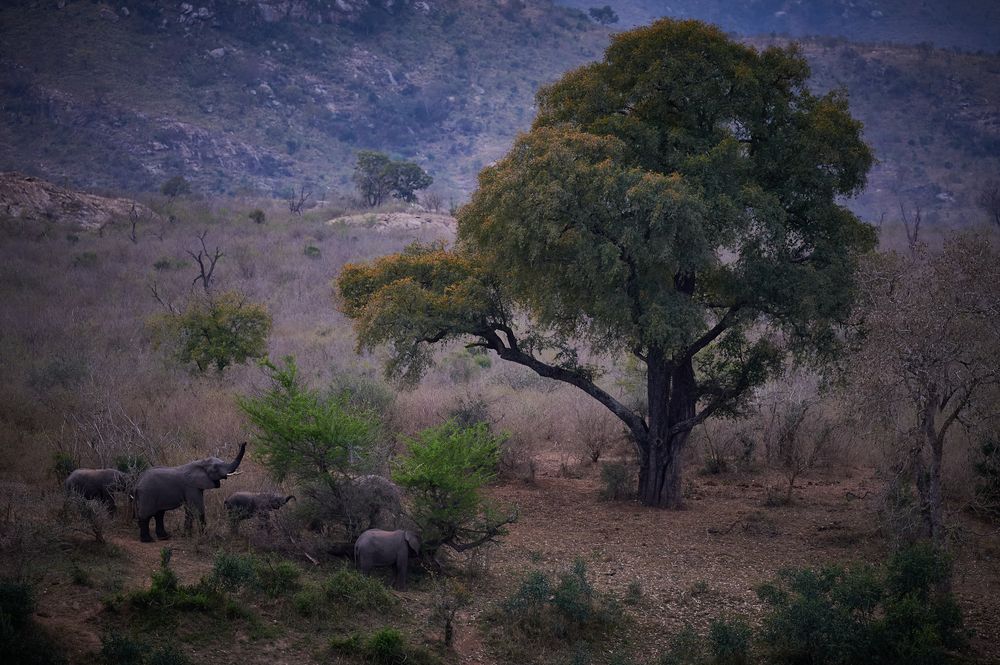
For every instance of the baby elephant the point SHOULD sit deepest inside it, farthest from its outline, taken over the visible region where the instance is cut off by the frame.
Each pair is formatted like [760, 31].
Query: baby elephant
[244, 505]
[97, 484]
[376, 548]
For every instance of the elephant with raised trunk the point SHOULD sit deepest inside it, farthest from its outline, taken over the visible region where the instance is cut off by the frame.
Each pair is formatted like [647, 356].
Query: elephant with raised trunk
[376, 548]
[100, 484]
[244, 505]
[164, 488]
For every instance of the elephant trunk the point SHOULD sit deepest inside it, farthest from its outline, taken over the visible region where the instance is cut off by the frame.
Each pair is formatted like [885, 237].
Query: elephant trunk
[239, 458]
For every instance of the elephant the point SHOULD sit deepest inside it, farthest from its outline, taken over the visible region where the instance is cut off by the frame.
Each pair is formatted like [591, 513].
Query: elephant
[378, 548]
[97, 484]
[164, 488]
[244, 505]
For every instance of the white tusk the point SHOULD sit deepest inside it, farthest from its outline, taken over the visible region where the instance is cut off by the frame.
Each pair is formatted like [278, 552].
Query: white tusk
[234, 473]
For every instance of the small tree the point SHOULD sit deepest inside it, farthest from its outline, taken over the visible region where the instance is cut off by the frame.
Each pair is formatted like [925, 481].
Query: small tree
[407, 179]
[928, 347]
[219, 330]
[444, 472]
[371, 176]
[604, 15]
[304, 434]
[377, 176]
[176, 186]
[318, 440]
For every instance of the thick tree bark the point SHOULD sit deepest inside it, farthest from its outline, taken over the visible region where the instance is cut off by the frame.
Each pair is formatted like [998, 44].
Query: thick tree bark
[672, 395]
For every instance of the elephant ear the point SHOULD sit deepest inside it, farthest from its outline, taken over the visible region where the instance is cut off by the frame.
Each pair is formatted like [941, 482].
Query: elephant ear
[197, 476]
[413, 542]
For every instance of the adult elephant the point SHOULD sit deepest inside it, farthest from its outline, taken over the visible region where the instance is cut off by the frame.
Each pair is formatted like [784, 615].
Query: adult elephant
[99, 484]
[376, 548]
[164, 488]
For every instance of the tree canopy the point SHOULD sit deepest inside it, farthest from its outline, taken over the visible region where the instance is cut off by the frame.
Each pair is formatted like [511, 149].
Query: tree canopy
[676, 201]
[377, 176]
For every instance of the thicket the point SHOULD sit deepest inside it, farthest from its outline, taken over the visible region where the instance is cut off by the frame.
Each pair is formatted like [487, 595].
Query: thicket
[897, 612]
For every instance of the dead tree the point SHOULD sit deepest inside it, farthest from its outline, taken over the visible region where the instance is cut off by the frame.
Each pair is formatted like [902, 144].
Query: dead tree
[206, 262]
[912, 230]
[297, 200]
[133, 220]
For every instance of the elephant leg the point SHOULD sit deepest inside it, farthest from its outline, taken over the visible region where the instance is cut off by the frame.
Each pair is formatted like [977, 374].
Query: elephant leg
[161, 532]
[401, 562]
[144, 530]
[188, 521]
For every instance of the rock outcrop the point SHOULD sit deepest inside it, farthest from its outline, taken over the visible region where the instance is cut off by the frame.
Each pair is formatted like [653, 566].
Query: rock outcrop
[32, 199]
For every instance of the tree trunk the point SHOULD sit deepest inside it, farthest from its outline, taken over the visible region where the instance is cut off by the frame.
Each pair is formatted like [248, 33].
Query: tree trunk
[929, 486]
[671, 391]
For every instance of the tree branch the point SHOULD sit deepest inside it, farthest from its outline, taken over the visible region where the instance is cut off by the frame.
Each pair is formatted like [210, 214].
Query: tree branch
[512, 353]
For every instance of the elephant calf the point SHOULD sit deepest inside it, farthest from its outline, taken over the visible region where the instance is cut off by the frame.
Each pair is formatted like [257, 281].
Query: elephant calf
[97, 484]
[376, 548]
[244, 505]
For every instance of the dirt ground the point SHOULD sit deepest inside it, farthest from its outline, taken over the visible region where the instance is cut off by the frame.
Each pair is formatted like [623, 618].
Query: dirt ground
[692, 565]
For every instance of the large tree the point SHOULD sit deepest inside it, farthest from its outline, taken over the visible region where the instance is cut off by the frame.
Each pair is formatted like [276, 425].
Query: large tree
[677, 201]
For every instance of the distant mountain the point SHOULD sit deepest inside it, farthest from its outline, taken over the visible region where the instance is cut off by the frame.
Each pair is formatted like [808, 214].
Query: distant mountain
[970, 25]
[263, 96]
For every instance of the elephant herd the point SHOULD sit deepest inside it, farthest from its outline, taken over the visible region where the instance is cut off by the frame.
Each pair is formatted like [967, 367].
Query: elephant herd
[160, 489]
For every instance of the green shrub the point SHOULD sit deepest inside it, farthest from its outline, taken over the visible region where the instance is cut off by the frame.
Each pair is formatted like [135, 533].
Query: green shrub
[386, 647]
[166, 593]
[131, 463]
[118, 649]
[864, 614]
[175, 186]
[685, 648]
[311, 602]
[351, 589]
[257, 216]
[633, 593]
[312, 252]
[215, 330]
[234, 571]
[617, 482]
[444, 472]
[277, 578]
[565, 610]
[304, 433]
[729, 641]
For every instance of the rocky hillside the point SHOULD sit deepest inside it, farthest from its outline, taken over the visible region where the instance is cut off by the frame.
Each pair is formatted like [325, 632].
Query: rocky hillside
[29, 199]
[264, 96]
[969, 25]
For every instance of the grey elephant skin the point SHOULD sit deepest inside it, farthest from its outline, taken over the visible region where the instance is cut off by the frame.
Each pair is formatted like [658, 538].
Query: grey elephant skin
[244, 505]
[376, 548]
[165, 488]
[99, 484]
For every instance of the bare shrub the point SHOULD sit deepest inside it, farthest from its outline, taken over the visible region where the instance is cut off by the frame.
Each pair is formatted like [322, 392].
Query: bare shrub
[597, 431]
[618, 481]
[94, 514]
